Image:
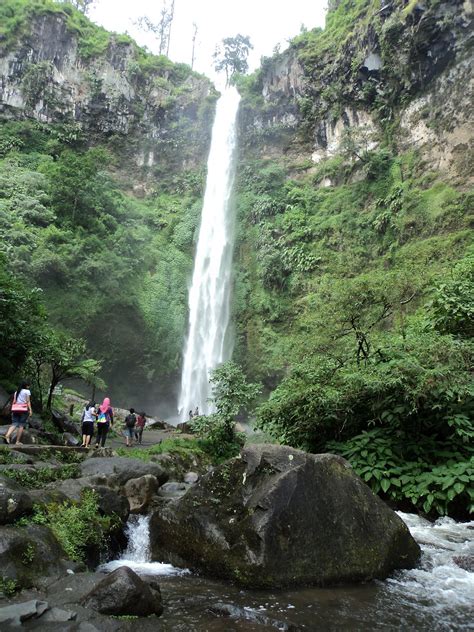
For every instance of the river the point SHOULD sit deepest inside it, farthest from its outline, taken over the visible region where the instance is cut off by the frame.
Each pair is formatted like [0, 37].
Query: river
[437, 596]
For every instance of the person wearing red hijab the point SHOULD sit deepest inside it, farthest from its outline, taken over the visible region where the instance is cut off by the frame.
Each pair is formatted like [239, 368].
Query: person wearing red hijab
[105, 421]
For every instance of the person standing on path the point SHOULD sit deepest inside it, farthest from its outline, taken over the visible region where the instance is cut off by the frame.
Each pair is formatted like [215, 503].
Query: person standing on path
[130, 421]
[21, 411]
[141, 421]
[88, 417]
[105, 421]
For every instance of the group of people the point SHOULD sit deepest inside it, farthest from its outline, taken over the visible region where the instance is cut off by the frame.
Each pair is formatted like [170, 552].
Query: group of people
[194, 414]
[103, 418]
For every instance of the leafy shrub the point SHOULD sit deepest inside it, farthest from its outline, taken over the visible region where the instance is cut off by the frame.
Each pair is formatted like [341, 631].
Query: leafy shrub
[42, 476]
[435, 476]
[75, 525]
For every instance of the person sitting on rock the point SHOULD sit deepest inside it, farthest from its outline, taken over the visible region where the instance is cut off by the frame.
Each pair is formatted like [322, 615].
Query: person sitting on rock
[88, 417]
[130, 421]
[21, 411]
[141, 421]
[105, 420]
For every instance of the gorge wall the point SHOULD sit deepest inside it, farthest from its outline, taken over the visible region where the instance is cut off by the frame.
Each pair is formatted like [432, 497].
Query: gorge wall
[104, 149]
[352, 196]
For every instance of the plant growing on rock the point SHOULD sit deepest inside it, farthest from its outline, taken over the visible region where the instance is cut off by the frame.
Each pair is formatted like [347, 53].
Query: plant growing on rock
[231, 394]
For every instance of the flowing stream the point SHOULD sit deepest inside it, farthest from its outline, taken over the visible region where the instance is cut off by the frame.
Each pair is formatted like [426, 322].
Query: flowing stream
[436, 596]
[208, 343]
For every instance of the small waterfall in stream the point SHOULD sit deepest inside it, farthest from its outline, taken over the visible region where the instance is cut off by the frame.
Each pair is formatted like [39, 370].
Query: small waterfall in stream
[137, 554]
[208, 343]
[436, 595]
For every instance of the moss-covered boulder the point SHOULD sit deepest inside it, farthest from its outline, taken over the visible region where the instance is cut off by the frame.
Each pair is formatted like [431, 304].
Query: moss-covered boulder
[276, 516]
[30, 553]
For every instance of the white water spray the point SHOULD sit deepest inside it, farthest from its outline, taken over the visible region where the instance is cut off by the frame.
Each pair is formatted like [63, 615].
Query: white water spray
[208, 343]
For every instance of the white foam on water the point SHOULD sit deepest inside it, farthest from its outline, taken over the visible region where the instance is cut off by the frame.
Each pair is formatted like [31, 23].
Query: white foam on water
[137, 554]
[438, 582]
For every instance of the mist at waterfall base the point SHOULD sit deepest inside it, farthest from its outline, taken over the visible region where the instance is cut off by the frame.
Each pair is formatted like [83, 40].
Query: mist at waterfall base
[437, 595]
[209, 342]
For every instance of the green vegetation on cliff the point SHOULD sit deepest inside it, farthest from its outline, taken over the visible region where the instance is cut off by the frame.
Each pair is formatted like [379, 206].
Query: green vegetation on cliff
[354, 275]
[97, 214]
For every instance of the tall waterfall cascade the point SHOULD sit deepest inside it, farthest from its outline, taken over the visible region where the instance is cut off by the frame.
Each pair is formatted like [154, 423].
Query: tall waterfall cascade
[208, 343]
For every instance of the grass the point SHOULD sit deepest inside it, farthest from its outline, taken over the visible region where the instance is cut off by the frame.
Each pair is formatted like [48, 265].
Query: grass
[180, 447]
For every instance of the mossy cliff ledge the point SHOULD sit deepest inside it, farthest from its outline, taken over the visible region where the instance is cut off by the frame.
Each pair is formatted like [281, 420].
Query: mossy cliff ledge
[58, 67]
[380, 70]
[276, 516]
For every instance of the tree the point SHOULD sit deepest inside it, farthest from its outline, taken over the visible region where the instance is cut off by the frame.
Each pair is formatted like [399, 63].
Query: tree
[231, 393]
[231, 55]
[57, 357]
[81, 5]
[21, 312]
[161, 29]
[195, 32]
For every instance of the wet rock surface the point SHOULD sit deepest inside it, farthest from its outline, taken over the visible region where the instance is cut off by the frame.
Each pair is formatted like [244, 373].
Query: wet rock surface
[119, 470]
[278, 516]
[124, 593]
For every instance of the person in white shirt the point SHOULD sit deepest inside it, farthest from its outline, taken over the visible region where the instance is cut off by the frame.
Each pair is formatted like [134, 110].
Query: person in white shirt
[89, 415]
[21, 411]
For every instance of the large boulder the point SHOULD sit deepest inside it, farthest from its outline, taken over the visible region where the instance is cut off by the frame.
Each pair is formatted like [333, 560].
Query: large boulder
[276, 516]
[119, 470]
[109, 501]
[124, 593]
[140, 491]
[64, 423]
[15, 501]
[30, 553]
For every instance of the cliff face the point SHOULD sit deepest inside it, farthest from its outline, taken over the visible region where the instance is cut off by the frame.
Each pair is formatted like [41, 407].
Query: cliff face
[405, 69]
[103, 149]
[356, 164]
[112, 88]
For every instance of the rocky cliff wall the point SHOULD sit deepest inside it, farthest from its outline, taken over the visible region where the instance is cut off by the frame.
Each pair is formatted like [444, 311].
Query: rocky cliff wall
[164, 109]
[404, 70]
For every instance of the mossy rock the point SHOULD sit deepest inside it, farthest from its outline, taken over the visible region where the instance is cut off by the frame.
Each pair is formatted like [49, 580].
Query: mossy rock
[276, 517]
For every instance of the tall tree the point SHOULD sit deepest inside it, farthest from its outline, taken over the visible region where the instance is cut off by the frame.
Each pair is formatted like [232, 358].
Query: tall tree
[161, 29]
[193, 53]
[231, 55]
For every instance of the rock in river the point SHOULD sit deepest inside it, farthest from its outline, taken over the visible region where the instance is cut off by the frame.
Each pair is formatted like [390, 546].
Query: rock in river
[276, 516]
[124, 593]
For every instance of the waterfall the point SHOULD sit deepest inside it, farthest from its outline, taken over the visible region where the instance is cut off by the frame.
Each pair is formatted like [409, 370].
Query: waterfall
[208, 343]
[137, 554]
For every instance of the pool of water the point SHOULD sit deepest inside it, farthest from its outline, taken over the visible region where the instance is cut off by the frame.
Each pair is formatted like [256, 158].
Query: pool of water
[437, 596]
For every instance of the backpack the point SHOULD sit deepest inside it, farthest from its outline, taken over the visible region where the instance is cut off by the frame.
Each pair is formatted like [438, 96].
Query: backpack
[102, 418]
[130, 421]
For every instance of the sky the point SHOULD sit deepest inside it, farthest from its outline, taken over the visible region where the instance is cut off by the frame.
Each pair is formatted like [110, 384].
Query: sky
[266, 22]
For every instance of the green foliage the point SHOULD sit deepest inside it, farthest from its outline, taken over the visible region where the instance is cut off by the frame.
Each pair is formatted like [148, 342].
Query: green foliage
[435, 476]
[20, 311]
[231, 394]
[185, 448]
[8, 586]
[231, 55]
[453, 302]
[75, 525]
[34, 479]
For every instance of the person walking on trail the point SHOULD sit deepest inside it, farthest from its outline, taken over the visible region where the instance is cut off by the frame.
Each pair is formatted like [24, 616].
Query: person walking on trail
[21, 411]
[105, 421]
[141, 421]
[196, 412]
[89, 415]
[130, 421]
